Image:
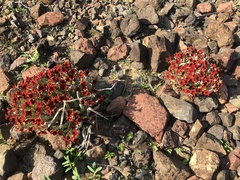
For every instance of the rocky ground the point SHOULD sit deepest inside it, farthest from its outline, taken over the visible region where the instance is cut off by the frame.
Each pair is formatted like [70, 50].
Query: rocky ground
[150, 131]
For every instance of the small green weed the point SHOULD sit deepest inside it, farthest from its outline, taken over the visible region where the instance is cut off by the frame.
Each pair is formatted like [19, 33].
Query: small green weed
[109, 155]
[121, 147]
[226, 145]
[31, 59]
[95, 171]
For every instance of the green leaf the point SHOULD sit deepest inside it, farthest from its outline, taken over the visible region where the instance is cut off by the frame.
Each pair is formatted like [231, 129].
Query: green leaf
[98, 169]
[68, 169]
[90, 169]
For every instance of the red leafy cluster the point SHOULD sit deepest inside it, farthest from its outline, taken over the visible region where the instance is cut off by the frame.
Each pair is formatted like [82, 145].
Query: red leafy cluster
[191, 72]
[36, 103]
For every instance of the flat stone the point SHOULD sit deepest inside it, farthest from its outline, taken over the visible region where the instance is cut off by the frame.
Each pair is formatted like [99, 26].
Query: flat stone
[226, 7]
[204, 167]
[217, 131]
[211, 143]
[180, 109]
[146, 111]
[169, 167]
[118, 52]
[50, 19]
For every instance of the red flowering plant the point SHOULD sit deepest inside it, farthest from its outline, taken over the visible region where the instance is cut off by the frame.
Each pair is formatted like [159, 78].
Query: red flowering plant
[190, 71]
[57, 101]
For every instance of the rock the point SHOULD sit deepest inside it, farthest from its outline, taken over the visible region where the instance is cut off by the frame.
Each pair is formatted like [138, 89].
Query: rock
[181, 128]
[4, 82]
[236, 37]
[148, 15]
[18, 176]
[206, 104]
[226, 7]
[226, 57]
[230, 108]
[235, 130]
[86, 46]
[191, 20]
[167, 8]
[211, 143]
[116, 107]
[148, 114]
[82, 23]
[170, 140]
[234, 159]
[130, 25]
[217, 131]
[50, 19]
[181, 13]
[213, 47]
[98, 40]
[222, 94]
[17, 62]
[5, 62]
[205, 7]
[140, 4]
[118, 52]
[25, 145]
[236, 72]
[139, 138]
[159, 48]
[204, 167]
[227, 119]
[219, 32]
[180, 109]
[37, 10]
[235, 101]
[3, 20]
[142, 156]
[56, 141]
[81, 59]
[96, 153]
[138, 52]
[8, 160]
[171, 36]
[223, 174]
[196, 130]
[47, 166]
[32, 71]
[169, 167]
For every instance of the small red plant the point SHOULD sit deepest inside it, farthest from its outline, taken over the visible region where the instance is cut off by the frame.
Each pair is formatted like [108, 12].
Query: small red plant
[191, 72]
[57, 101]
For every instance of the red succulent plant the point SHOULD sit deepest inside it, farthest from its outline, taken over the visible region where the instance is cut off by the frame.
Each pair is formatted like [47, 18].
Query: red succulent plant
[191, 72]
[57, 100]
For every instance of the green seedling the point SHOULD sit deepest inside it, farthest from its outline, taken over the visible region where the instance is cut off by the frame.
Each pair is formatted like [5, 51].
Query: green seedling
[31, 58]
[121, 147]
[109, 155]
[95, 171]
[226, 145]
[71, 158]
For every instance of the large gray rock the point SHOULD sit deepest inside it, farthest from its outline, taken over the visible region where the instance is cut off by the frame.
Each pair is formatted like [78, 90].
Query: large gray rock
[47, 166]
[169, 167]
[130, 25]
[204, 163]
[180, 109]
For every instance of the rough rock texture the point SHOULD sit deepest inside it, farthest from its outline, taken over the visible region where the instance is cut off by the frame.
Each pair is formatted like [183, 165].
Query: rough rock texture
[148, 114]
[148, 15]
[4, 82]
[130, 25]
[180, 109]
[204, 167]
[118, 52]
[50, 19]
[234, 159]
[169, 168]
[206, 104]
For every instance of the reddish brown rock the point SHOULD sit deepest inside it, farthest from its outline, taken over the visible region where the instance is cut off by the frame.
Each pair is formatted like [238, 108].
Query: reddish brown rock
[237, 72]
[181, 128]
[219, 32]
[170, 140]
[226, 57]
[222, 94]
[118, 52]
[226, 7]
[50, 19]
[37, 10]
[32, 71]
[85, 45]
[234, 159]
[146, 111]
[4, 82]
[116, 107]
[18, 62]
[231, 108]
[204, 7]
[3, 20]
